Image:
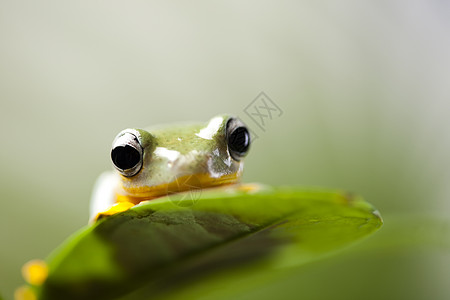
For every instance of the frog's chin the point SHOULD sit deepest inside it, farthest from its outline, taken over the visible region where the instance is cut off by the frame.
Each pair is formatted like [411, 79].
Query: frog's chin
[183, 183]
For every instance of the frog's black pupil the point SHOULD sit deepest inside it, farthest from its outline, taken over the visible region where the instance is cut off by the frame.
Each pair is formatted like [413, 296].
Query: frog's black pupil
[239, 140]
[125, 157]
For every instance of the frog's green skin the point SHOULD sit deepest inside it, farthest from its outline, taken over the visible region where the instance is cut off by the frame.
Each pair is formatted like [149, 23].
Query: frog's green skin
[169, 154]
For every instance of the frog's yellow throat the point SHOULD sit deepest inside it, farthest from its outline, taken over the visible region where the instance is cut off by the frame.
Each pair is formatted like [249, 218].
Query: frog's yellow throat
[184, 183]
[128, 197]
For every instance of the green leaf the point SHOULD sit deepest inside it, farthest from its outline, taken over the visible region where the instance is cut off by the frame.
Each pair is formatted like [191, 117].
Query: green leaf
[177, 240]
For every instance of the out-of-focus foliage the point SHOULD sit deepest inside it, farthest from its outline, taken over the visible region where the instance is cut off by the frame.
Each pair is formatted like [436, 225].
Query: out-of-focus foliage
[156, 248]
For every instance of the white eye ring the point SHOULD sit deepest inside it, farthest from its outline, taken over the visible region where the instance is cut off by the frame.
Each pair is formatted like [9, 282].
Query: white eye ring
[127, 154]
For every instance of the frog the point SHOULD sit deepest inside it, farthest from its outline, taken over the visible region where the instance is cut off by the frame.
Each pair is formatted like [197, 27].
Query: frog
[162, 160]
[158, 161]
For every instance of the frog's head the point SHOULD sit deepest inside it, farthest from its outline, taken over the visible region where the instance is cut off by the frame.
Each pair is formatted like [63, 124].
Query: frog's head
[153, 161]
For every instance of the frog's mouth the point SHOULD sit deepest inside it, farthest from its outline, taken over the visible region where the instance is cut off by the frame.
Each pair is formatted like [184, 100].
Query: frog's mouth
[191, 182]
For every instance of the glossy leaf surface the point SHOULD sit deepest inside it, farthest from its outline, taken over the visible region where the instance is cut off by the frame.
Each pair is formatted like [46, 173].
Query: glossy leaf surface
[161, 245]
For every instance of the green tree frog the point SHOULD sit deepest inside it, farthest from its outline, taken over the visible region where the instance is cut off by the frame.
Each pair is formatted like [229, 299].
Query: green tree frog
[153, 161]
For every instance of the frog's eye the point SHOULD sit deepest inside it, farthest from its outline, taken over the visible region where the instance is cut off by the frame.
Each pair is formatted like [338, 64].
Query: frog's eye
[126, 154]
[238, 138]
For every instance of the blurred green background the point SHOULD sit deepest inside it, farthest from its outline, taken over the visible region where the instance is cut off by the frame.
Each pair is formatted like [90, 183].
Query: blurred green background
[364, 87]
